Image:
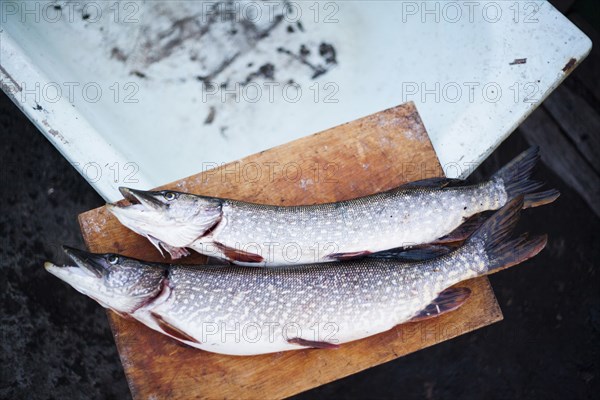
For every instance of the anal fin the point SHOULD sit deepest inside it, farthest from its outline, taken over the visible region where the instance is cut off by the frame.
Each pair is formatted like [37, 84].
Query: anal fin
[448, 300]
[171, 330]
[313, 344]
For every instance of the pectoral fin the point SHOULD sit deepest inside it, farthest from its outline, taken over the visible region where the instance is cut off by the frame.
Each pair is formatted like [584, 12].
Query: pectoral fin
[448, 300]
[171, 330]
[174, 252]
[239, 255]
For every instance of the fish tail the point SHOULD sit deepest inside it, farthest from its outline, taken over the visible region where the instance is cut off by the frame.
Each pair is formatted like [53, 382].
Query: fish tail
[495, 232]
[516, 177]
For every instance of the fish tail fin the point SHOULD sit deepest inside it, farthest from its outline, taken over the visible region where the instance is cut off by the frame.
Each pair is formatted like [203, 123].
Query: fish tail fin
[501, 252]
[516, 177]
[540, 198]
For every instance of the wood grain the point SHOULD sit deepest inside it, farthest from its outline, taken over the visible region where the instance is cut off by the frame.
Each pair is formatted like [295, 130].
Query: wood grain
[362, 157]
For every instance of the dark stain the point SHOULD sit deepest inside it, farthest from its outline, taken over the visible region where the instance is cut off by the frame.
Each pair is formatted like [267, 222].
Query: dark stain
[211, 116]
[139, 74]
[569, 66]
[518, 61]
[266, 71]
[192, 28]
[208, 85]
[118, 54]
[38, 107]
[85, 16]
[317, 69]
[158, 44]
[57, 7]
[222, 132]
[207, 79]
[58, 135]
[327, 51]
[302, 57]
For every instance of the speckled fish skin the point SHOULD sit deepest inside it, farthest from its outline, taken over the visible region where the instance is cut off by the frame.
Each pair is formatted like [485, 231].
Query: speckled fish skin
[246, 311]
[312, 234]
[264, 235]
[329, 303]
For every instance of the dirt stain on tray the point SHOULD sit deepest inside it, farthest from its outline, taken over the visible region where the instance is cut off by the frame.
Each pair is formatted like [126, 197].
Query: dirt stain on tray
[518, 61]
[211, 116]
[318, 66]
[569, 65]
[215, 35]
[54, 132]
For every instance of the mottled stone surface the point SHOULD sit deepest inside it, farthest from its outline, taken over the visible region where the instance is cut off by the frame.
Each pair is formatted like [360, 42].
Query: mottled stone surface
[56, 343]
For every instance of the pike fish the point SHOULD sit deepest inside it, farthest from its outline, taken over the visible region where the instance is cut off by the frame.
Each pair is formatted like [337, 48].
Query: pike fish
[241, 310]
[266, 235]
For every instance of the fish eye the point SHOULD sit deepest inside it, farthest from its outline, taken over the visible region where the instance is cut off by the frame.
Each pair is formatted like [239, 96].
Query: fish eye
[170, 196]
[113, 259]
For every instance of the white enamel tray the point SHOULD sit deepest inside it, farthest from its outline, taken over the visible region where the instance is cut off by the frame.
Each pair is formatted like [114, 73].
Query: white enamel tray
[141, 93]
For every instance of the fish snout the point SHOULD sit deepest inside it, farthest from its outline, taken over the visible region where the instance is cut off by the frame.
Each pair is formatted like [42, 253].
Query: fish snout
[149, 199]
[94, 263]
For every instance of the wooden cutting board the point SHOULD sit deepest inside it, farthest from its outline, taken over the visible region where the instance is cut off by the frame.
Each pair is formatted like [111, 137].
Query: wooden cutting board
[366, 156]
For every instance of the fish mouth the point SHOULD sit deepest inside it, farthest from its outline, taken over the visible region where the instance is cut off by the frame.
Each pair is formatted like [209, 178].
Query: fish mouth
[139, 197]
[93, 263]
[142, 213]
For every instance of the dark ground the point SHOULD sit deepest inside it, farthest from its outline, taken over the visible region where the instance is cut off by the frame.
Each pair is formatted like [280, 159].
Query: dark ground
[57, 344]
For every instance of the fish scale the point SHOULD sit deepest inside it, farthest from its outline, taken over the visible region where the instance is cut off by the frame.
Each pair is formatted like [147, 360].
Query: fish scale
[329, 302]
[252, 234]
[245, 310]
[311, 234]
[241, 310]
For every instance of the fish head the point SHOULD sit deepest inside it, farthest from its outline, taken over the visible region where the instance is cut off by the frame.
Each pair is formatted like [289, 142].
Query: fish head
[116, 282]
[174, 218]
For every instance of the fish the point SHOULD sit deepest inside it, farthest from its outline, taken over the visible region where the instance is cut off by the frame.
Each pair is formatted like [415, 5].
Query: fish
[240, 310]
[252, 234]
